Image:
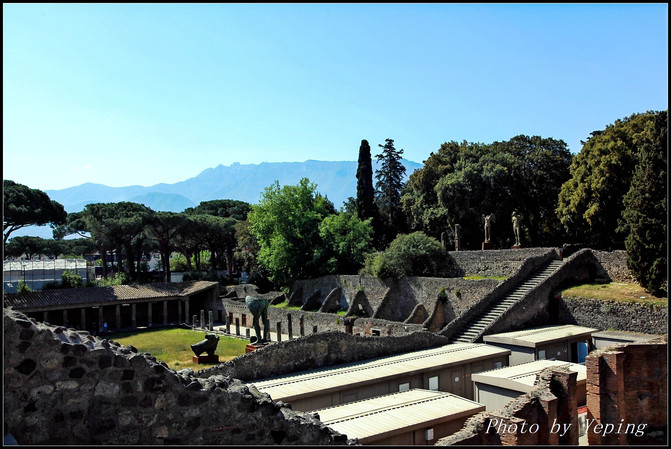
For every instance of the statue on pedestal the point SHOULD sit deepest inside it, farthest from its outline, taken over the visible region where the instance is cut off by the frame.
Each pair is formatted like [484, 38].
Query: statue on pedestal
[259, 309]
[489, 219]
[517, 218]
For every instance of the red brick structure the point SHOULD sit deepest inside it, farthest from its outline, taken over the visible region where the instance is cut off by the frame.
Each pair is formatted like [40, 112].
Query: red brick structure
[627, 394]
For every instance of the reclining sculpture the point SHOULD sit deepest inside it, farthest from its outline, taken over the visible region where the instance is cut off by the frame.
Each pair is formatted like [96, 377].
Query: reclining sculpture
[208, 345]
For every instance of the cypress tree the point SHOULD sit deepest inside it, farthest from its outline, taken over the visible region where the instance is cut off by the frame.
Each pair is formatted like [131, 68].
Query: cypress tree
[645, 210]
[388, 190]
[365, 193]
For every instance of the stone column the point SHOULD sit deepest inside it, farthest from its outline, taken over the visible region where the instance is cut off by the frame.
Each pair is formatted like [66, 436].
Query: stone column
[289, 326]
[100, 318]
[237, 326]
[165, 313]
[209, 323]
[83, 318]
[133, 316]
[279, 331]
[186, 309]
[202, 319]
[301, 324]
[193, 323]
[149, 312]
[179, 311]
[45, 316]
[65, 317]
[118, 316]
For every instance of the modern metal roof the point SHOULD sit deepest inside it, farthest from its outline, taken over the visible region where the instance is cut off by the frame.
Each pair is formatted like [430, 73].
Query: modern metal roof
[293, 386]
[88, 296]
[522, 377]
[531, 338]
[395, 413]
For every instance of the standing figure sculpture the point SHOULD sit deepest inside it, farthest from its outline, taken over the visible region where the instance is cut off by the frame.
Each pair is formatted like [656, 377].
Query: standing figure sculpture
[489, 219]
[516, 227]
[259, 309]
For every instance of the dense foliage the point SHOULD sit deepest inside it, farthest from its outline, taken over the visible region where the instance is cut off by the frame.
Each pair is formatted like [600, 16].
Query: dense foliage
[388, 193]
[414, 254]
[23, 206]
[644, 218]
[464, 181]
[591, 201]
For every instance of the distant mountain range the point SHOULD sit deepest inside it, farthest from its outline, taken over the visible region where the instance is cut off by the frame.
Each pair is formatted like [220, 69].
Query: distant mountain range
[244, 182]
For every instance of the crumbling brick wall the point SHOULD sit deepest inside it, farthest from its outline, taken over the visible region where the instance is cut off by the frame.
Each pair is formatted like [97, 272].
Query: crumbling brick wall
[546, 415]
[627, 393]
[63, 386]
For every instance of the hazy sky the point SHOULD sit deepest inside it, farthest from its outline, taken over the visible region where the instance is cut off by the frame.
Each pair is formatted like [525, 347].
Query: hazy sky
[138, 94]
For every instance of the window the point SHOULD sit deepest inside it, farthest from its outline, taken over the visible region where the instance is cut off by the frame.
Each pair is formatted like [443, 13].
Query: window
[428, 434]
[541, 354]
[404, 387]
[498, 365]
[433, 383]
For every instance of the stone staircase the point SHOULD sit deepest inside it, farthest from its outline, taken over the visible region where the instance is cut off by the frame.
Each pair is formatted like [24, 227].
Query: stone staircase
[472, 331]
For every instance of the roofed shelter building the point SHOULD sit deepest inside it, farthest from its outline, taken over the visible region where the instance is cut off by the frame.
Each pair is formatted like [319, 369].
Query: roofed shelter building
[447, 368]
[121, 307]
[568, 342]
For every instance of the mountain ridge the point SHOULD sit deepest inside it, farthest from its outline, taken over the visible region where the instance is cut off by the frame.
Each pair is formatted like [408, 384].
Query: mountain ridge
[243, 182]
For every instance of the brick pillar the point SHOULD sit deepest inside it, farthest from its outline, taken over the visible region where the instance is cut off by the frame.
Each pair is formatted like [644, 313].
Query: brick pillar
[564, 385]
[279, 331]
[289, 326]
[301, 324]
[605, 396]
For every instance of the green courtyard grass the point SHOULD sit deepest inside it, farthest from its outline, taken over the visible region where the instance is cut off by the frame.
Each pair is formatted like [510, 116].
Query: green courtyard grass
[614, 291]
[173, 346]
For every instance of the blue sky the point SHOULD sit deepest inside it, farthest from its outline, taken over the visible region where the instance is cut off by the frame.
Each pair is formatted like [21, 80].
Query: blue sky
[139, 94]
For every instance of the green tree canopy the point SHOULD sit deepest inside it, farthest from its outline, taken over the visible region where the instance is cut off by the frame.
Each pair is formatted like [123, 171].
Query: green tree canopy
[24, 206]
[286, 226]
[222, 208]
[464, 181]
[644, 218]
[388, 192]
[346, 240]
[591, 200]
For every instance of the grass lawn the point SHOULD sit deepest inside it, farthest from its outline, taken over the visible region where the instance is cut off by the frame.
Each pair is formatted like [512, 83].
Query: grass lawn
[614, 291]
[173, 346]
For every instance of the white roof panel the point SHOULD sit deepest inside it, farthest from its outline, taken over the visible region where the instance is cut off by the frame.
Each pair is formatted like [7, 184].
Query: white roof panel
[522, 377]
[533, 337]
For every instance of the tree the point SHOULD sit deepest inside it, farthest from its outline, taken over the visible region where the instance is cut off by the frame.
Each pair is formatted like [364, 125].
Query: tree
[222, 208]
[286, 226]
[591, 200]
[644, 218]
[346, 240]
[365, 191]
[163, 227]
[388, 190]
[463, 181]
[24, 206]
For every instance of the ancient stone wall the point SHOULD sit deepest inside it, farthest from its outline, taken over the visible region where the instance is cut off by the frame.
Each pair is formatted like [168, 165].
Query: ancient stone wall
[615, 264]
[618, 315]
[63, 386]
[317, 351]
[504, 262]
[627, 394]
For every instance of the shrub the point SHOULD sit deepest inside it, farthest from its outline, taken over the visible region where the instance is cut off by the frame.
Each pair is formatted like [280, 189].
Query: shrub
[70, 279]
[413, 254]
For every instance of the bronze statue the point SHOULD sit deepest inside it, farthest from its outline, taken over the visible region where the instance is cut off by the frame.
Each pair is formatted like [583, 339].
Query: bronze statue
[259, 309]
[516, 227]
[489, 219]
[208, 345]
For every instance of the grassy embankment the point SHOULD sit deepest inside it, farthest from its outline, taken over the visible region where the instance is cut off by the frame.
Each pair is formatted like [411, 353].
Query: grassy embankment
[614, 291]
[173, 346]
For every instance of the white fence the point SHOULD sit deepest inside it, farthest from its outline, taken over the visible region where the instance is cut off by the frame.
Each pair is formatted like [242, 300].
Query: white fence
[37, 273]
